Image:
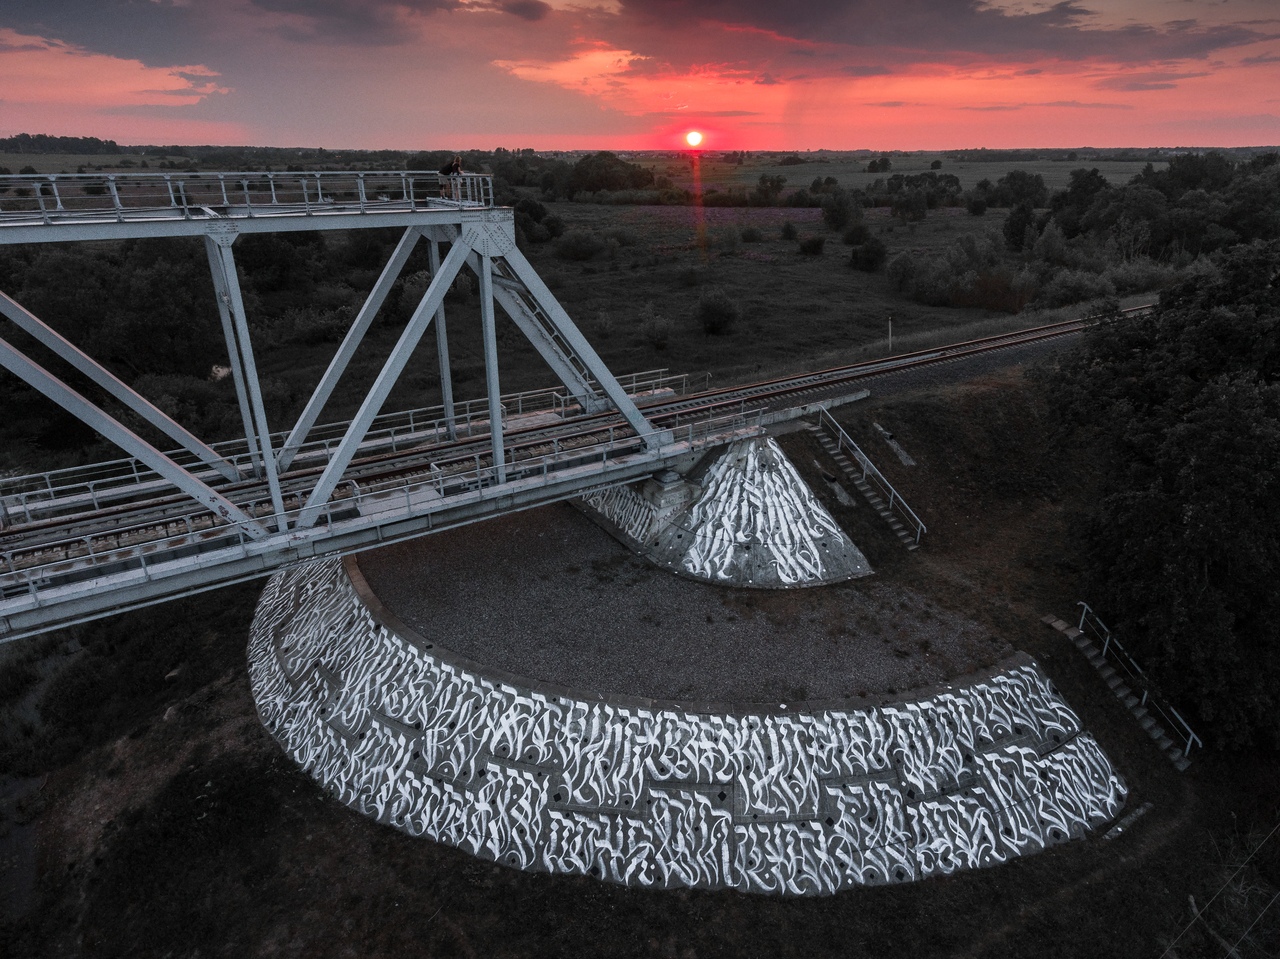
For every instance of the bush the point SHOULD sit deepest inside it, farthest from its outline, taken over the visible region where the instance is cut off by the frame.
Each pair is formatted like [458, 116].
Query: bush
[553, 225]
[789, 231]
[654, 327]
[1074, 286]
[717, 312]
[751, 234]
[857, 234]
[621, 236]
[579, 246]
[976, 205]
[812, 245]
[869, 256]
[1138, 276]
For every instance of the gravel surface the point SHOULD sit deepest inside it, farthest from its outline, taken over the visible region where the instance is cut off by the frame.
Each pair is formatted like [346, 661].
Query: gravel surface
[550, 596]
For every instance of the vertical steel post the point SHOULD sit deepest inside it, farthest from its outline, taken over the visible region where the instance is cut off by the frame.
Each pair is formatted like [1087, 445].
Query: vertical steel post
[222, 248]
[489, 331]
[237, 374]
[442, 351]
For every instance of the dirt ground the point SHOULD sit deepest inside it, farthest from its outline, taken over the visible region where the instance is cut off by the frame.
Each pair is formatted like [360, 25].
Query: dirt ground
[169, 823]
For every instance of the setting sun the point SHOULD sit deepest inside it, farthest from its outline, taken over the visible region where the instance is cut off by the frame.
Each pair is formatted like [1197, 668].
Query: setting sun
[693, 138]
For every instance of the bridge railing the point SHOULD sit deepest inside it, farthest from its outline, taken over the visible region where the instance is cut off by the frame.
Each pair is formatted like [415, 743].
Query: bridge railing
[67, 197]
[139, 550]
[26, 498]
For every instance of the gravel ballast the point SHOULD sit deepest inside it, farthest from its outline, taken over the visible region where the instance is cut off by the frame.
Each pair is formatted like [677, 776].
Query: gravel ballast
[549, 596]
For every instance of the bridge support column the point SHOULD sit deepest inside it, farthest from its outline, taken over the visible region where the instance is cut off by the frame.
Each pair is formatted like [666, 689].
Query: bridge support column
[489, 330]
[442, 351]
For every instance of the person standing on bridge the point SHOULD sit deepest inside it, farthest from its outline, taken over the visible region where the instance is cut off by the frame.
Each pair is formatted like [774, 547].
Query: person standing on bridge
[450, 169]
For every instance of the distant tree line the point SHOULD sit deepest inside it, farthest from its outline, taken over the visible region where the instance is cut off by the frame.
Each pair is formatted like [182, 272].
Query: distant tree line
[43, 143]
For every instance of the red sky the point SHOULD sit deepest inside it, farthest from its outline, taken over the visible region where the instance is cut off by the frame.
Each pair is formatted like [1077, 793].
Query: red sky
[628, 74]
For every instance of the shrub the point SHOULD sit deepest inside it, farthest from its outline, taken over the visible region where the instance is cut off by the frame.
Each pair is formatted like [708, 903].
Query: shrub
[603, 325]
[622, 236]
[553, 225]
[654, 327]
[717, 312]
[1138, 275]
[838, 210]
[812, 245]
[751, 234]
[869, 256]
[579, 246]
[1073, 286]
[857, 234]
[976, 205]
[789, 231]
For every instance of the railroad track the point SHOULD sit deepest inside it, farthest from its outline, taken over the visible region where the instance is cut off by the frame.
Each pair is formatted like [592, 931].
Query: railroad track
[137, 518]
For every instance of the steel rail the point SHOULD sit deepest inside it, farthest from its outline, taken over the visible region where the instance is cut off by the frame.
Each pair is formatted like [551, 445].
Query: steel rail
[389, 469]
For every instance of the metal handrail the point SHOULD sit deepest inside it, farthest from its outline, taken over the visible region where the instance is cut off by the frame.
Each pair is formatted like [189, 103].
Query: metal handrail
[71, 197]
[869, 471]
[461, 486]
[1112, 649]
[22, 492]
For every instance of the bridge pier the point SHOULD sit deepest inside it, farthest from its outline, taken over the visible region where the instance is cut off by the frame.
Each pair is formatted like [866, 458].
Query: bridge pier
[741, 516]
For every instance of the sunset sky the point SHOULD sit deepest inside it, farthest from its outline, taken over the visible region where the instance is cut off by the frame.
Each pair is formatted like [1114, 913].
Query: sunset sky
[634, 74]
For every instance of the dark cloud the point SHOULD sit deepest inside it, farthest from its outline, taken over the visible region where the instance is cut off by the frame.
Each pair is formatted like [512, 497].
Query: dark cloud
[854, 70]
[531, 10]
[1138, 82]
[1260, 60]
[889, 103]
[918, 29]
[767, 80]
[366, 22]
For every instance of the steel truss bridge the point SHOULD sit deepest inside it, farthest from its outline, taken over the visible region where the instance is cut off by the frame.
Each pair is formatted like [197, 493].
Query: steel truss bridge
[157, 523]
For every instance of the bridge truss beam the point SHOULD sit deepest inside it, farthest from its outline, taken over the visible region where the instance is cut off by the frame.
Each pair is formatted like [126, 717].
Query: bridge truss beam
[261, 506]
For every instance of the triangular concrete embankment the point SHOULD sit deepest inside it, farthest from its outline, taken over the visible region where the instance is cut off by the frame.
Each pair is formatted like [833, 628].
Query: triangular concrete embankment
[742, 517]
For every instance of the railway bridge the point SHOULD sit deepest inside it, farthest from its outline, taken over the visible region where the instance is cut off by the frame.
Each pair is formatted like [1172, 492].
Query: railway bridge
[168, 520]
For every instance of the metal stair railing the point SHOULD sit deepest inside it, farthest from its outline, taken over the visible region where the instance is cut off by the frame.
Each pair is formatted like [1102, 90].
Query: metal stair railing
[1112, 650]
[869, 472]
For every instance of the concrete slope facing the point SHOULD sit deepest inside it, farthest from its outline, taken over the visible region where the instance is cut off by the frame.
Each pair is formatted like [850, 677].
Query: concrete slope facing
[742, 518]
[791, 799]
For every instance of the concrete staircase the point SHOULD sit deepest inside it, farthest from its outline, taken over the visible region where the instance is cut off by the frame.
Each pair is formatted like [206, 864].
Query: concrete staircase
[1122, 692]
[854, 475]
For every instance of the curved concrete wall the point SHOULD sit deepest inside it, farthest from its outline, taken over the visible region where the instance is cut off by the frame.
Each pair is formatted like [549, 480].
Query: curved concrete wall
[796, 799]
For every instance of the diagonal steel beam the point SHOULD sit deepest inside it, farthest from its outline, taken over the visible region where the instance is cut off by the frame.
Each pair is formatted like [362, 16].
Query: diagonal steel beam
[566, 330]
[244, 355]
[350, 343]
[510, 294]
[113, 430]
[377, 395]
[228, 332]
[95, 371]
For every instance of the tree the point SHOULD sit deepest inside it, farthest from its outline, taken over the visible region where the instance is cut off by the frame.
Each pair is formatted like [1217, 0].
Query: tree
[1183, 407]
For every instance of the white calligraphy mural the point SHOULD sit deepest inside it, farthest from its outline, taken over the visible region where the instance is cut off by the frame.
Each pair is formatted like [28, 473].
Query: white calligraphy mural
[755, 522]
[794, 803]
